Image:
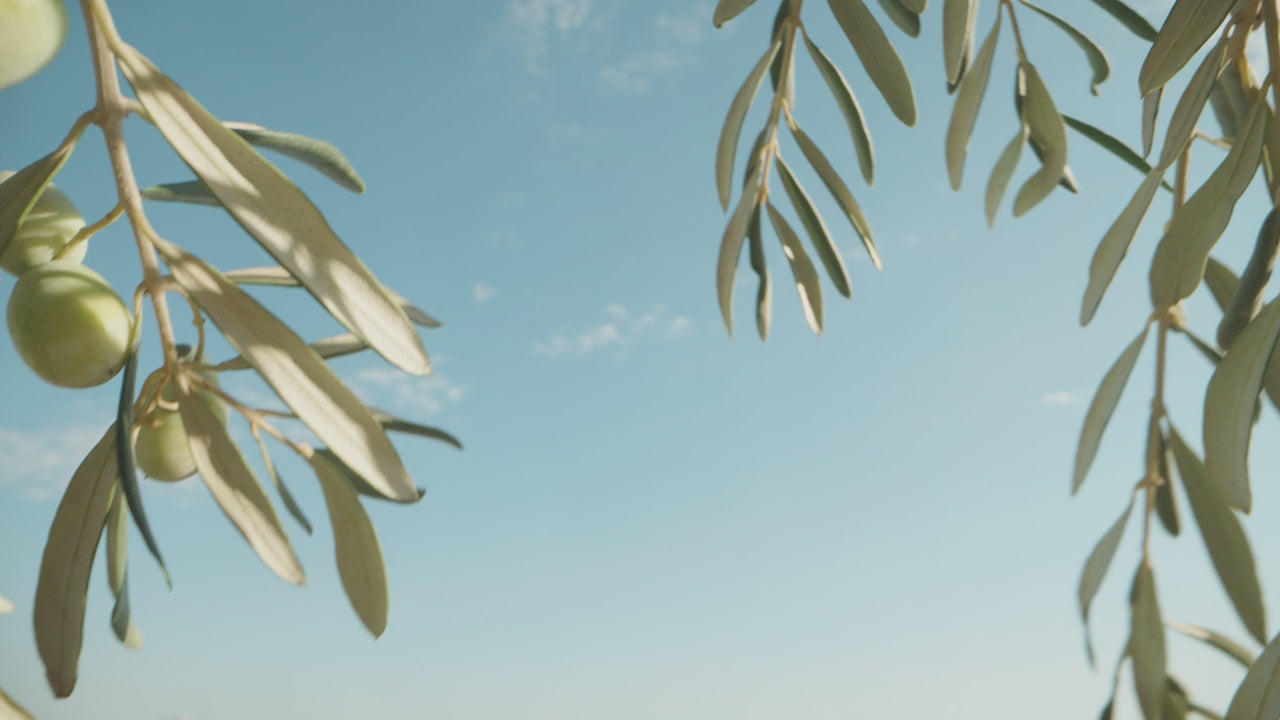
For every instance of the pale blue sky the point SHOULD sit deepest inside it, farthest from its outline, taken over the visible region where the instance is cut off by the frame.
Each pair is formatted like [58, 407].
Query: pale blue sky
[649, 520]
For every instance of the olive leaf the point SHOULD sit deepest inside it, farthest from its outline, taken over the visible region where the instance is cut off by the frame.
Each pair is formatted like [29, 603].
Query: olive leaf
[1050, 133]
[11, 710]
[1002, 174]
[1248, 296]
[826, 249]
[398, 424]
[1216, 640]
[1115, 244]
[849, 107]
[117, 533]
[1229, 406]
[1150, 113]
[67, 562]
[964, 115]
[299, 376]
[1103, 406]
[1222, 282]
[1258, 697]
[282, 490]
[915, 6]
[906, 20]
[878, 57]
[276, 214]
[764, 293]
[1095, 570]
[1189, 25]
[1186, 114]
[727, 10]
[1223, 537]
[320, 155]
[731, 249]
[1128, 17]
[128, 470]
[191, 192]
[839, 191]
[958, 18]
[1097, 58]
[1113, 145]
[330, 347]
[785, 59]
[1228, 100]
[359, 555]
[20, 191]
[1146, 643]
[6, 606]
[277, 276]
[732, 130]
[802, 270]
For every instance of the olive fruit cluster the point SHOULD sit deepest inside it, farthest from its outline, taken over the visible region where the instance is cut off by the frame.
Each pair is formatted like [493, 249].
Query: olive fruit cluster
[66, 321]
[161, 448]
[31, 33]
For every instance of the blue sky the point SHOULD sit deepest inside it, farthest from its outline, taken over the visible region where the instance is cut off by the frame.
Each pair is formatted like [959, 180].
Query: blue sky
[649, 520]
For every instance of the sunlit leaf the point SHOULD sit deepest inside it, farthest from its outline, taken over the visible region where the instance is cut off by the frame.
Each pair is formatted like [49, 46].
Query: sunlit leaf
[1112, 145]
[77, 527]
[1248, 296]
[729, 134]
[301, 379]
[849, 107]
[117, 534]
[359, 556]
[1150, 113]
[1103, 406]
[1223, 537]
[1050, 133]
[1115, 244]
[1095, 570]
[727, 10]
[331, 347]
[1258, 697]
[764, 293]
[274, 275]
[20, 191]
[826, 249]
[320, 155]
[1094, 54]
[1137, 24]
[968, 100]
[1002, 174]
[192, 192]
[907, 21]
[1186, 114]
[878, 57]
[282, 490]
[802, 269]
[1218, 641]
[1146, 643]
[839, 191]
[278, 215]
[1229, 404]
[11, 710]
[958, 17]
[1189, 24]
[731, 249]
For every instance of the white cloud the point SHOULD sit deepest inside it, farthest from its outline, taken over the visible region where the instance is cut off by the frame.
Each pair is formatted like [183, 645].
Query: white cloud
[396, 391]
[1061, 398]
[674, 38]
[621, 328]
[532, 25]
[38, 463]
[481, 292]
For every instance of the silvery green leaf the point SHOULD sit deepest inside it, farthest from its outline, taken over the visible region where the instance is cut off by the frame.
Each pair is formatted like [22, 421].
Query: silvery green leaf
[826, 249]
[282, 490]
[1258, 697]
[322, 156]
[359, 555]
[1095, 570]
[964, 115]
[907, 21]
[117, 534]
[1137, 24]
[19, 192]
[1002, 174]
[878, 57]
[728, 145]
[727, 10]
[1097, 58]
[1050, 133]
[958, 18]
[192, 192]
[1150, 113]
[1186, 114]
[1115, 244]
[802, 269]
[764, 293]
[839, 191]
[1112, 145]
[731, 249]
[1103, 406]
[849, 107]
[1216, 640]
[1146, 643]
[1189, 25]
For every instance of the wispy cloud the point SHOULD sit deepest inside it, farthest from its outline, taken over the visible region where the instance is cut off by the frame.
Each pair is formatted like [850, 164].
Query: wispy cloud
[481, 292]
[1061, 398]
[674, 36]
[531, 26]
[619, 328]
[394, 390]
[38, 463]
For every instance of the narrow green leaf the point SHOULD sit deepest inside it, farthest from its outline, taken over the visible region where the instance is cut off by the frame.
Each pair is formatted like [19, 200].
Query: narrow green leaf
[11, 710]
[849, 107]
[1146, 643]
[192, 192]
[359, 555]
[1229, 404]
[907, 21]
[19, 192]
[1258, 697]
[1222, 283]
[1103, 406]
[1189, 25]
[1223, 537]
[320, 155]
[1137, 24]
[764, 293]
[839, 191]
[1094, 54]
[1050, 133]
[274, 275]
[1002, 174]
[727, 10]
[396, 424]
[1112, 145]
[915, 6]
[1218, 641]
[1115, 244]
[1166, 500]
[1210, 353]
[331, 347]
[785, 59]
[878, 57]
[826, 249]
[1186, 114]
[63, 584]
[731, 250]
[958, 17]
[299, 376]
[127, 473]
[802, 269]
[1181, 256]
[117, 572]
[282, 490]
[1251, 288]
[1095, 570]
[1228, 100]
[732, 130]
[277, 215]
[1177, 704]
[964, 115]
[1150, 113]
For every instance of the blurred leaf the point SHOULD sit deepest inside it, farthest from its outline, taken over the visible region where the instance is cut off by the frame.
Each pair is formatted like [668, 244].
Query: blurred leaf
[878, 57]
[1150, 113]
[1176, 702]
[906, 20]
[1137, 24]
[827, 251]
[1095, 570]
[21, 190]
[1228, 100]
[1223, 537]
[1186, 114]
[1222, 282]
[764, 295]
[801, 268]
[1103, 405]
[1047, 130]
[1189, 25]
[68, 560]
[320, 155]
[235, 488]
[1112, 145]
[331, 347]
[1229, 404]
[839, 191]
[848, 107]
[6, 607]
[1146, 643]
[396, 424]
[1181, 256]
[731, 249]
[127, 472]
[1003, 173]
[1210, 353]
[786, 55]
[278, 215]
[1258, 697]
[359, 556]
[282, 490]
[274, 275]
[1115, 244]
[732, 130]
[117, 572]
[1096, 57]
[727, 10]
[958, 18]
[301, 379]
[11, 710]
[1166, 500]
[192, 192]
[964, 115]
[1218, 641]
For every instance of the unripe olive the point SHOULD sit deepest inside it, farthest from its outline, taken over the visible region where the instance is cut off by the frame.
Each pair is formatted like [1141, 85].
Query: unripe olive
[51, 222]
[31, 33]
[68, 324]
[161, 449]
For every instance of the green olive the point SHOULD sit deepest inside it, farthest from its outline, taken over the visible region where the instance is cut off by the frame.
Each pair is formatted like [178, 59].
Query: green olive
[51, 222]
[31, 33]
[161, 449]
[68, 324]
